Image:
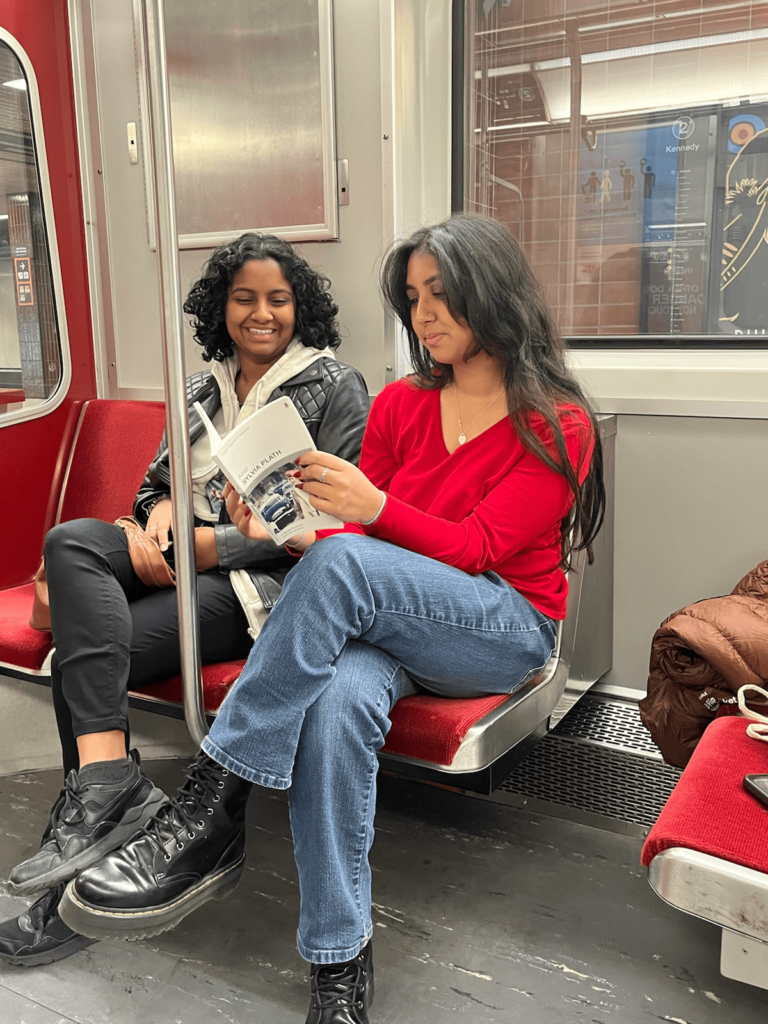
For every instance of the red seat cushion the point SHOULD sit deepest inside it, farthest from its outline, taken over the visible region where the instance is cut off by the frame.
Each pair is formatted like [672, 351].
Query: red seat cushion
[113, 447]
[709, 809]
[20, 646]
[424, 727]
[217, 682]
[432, 728]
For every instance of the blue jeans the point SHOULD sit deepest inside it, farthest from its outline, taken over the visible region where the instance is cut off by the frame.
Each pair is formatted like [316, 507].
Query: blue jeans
[360, 621]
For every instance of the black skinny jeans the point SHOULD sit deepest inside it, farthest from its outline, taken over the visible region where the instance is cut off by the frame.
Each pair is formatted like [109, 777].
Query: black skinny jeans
[112, 632]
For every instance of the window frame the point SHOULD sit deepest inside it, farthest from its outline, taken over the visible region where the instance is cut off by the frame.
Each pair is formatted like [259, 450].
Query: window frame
[578, 342]
[46, 202]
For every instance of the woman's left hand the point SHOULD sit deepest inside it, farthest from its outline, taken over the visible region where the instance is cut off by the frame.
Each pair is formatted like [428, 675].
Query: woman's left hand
[206, 556]
[339, 488]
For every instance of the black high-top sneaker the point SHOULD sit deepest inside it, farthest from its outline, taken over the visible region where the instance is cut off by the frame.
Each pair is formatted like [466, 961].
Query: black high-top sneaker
[39, 936]
[90, 818]
[342, 993]
[192, 850]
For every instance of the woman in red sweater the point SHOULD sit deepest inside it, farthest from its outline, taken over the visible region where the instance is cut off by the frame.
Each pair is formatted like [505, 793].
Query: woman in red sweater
[478, 474]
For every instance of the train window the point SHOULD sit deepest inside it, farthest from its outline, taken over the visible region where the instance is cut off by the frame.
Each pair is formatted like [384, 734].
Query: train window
[30, 352]
[626, 146]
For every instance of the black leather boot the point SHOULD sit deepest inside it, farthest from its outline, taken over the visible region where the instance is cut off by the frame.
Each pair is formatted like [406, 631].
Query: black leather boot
[192, 850]
[39, 936]
[342, 993]
[89, 819]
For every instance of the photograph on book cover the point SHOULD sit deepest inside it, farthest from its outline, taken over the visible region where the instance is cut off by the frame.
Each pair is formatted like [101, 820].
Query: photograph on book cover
[279, 504]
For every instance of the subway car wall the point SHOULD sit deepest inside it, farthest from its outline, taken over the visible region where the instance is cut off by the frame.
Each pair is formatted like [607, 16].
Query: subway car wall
[31, 452]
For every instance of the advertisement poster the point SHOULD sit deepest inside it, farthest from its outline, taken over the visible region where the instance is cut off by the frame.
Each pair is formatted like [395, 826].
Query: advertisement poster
[738, 304]
[649, 189]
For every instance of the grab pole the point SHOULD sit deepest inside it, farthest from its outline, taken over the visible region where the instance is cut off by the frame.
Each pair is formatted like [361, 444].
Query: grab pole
[173, 368]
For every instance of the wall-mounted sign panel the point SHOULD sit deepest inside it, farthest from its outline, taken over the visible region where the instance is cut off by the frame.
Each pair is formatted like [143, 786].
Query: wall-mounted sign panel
[251, 91]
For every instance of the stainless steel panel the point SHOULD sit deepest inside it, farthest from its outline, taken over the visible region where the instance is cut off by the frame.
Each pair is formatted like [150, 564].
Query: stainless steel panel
[744, 960]
[251, 103]
[342, 173]
[715, 890]
[593, 651]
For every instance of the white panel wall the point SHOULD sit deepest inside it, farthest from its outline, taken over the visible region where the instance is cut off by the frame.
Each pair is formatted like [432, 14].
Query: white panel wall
[690, 521]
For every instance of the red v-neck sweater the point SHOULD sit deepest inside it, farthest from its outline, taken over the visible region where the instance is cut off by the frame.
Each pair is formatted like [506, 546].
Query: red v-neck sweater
[490, 505]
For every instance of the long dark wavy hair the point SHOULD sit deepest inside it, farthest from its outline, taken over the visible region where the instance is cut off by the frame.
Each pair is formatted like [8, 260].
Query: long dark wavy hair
[490, 288]
[315, 309]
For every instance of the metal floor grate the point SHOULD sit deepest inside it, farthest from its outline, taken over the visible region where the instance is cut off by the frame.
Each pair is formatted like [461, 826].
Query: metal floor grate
[610, 723]
[598, 760]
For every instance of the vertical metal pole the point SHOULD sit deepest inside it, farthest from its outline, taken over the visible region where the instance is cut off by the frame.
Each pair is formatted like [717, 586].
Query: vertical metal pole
[173, 365]
[573, 189]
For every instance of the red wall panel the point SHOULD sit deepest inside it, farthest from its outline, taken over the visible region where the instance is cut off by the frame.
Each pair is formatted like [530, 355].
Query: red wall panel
[32, 454]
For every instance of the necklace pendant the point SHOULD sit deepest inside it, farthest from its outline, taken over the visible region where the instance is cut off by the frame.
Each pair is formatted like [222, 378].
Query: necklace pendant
[462, 438]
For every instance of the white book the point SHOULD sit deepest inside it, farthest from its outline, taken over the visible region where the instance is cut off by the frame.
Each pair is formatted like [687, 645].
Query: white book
[256, 458]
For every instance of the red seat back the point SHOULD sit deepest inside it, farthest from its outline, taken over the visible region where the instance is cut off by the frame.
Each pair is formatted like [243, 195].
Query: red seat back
[113, 446]
[114, 443]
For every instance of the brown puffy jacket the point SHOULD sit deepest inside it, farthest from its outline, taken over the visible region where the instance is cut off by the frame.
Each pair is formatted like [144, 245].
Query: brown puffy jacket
[700, 656]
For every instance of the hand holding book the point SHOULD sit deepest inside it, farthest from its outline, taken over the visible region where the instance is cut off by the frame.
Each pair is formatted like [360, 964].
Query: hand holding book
[248, 524]
[259, 459]
[338, 488]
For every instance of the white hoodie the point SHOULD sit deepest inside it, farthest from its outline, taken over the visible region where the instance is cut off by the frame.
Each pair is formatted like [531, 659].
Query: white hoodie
[297, 357]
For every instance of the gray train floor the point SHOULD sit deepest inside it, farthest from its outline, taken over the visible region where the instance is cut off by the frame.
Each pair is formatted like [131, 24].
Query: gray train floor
[482, 911]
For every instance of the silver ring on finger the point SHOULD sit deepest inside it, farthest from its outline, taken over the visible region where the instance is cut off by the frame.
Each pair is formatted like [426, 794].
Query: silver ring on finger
[324, 474]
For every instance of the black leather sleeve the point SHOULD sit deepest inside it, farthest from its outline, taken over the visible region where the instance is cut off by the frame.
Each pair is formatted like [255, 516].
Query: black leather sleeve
[341, 429]
[157, 482]
[152, 488]
[238, 552]
[335, 410]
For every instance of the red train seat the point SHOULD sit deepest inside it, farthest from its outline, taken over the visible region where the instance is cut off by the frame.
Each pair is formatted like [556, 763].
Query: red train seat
[477, 739]
[707, 854]
[709, 809]
[113, 444]
[424, 727]
[22, 650]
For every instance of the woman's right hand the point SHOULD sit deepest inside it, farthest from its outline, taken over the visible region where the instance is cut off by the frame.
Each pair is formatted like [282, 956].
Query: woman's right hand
[160, 523]
[241, 516]
[250, 526]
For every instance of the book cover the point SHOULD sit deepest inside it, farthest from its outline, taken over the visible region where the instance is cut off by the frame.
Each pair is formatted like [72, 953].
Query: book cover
[256, 458]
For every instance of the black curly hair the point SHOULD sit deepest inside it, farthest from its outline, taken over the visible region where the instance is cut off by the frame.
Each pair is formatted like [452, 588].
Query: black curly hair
[315, 309]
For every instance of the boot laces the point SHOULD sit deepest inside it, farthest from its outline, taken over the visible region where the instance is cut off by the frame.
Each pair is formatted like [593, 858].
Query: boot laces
[183, 814]
[338, 985]
[69, 809]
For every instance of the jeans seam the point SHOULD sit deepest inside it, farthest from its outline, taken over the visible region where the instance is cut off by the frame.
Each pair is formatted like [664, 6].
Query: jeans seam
[459, 625]
[370, 779]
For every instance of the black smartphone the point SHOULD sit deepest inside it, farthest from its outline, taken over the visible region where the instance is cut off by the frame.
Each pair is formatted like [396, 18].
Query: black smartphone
[757, 785]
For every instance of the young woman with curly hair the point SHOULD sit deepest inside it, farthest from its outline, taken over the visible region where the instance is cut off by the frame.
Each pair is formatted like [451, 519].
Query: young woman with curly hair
[267, 324]
[479, 473]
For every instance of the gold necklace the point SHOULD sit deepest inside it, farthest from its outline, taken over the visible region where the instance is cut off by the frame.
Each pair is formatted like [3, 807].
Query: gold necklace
[462, 434]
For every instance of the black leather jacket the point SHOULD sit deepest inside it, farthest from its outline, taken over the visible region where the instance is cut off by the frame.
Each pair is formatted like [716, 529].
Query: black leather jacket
[333, 401]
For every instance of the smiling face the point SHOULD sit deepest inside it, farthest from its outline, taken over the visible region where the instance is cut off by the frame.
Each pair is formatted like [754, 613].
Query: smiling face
[446, 339]
[260, 314]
